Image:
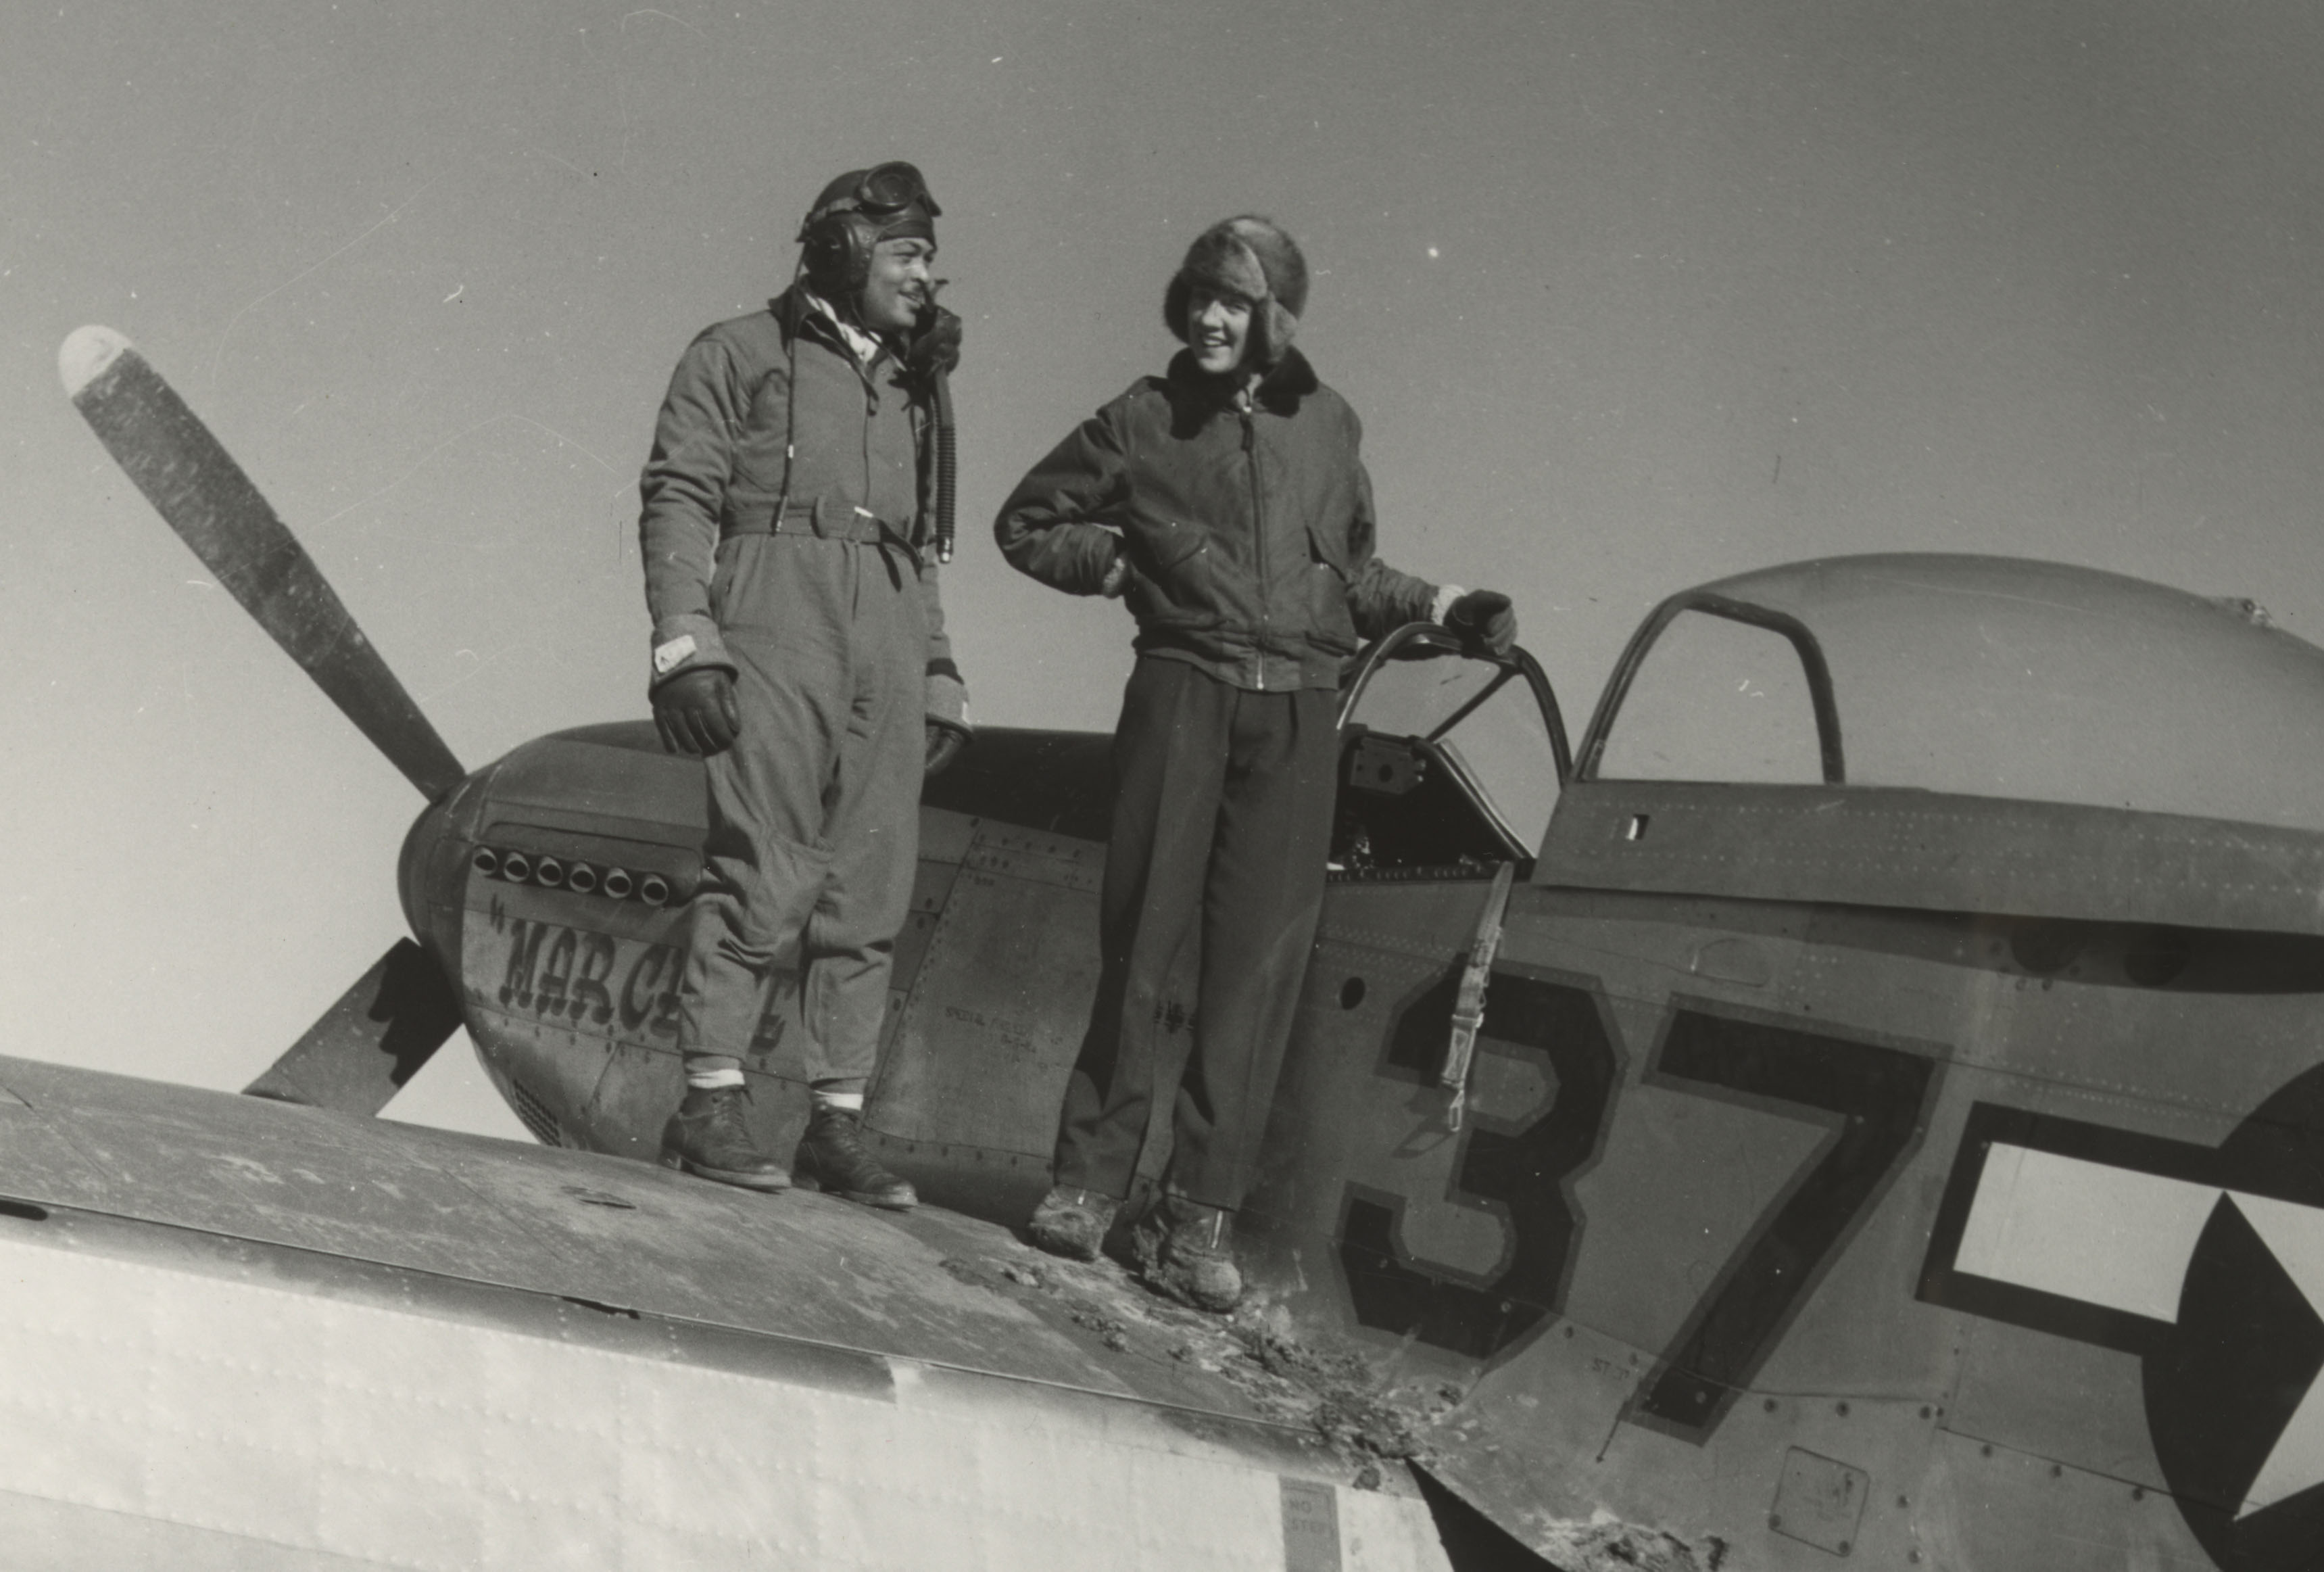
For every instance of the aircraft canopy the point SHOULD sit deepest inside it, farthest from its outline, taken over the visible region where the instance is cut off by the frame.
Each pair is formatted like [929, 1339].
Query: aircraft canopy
[1979, 675]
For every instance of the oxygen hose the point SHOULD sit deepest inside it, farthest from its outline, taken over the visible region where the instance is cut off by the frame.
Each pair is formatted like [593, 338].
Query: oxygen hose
[947, 467]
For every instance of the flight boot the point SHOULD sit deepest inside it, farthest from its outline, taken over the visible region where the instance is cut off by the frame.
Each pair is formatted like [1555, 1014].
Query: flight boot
[832, 1152]
[1184, 1251]
[710, 1137]
[1072, 1223]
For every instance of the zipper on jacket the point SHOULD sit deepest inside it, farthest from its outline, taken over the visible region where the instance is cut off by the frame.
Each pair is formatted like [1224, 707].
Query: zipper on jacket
[1259, 540]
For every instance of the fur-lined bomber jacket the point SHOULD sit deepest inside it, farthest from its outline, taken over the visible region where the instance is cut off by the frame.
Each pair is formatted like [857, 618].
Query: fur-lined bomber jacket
[1247, 524]
[717, 469]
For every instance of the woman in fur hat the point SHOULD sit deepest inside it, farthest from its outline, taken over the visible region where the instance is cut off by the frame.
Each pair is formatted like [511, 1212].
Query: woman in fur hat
[1225, 501]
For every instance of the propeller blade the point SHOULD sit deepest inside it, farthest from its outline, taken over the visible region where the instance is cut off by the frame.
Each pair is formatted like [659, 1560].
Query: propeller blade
[365, 1046]
[202, 494]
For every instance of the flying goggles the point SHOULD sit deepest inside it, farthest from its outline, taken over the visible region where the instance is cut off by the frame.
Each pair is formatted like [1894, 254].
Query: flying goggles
[885, 191]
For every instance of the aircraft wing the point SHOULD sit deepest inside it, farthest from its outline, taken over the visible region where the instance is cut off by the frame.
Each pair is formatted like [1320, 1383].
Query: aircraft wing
[236, 1333]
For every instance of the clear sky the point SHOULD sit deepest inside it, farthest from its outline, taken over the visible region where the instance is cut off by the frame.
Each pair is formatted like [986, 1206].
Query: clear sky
[1628, 296]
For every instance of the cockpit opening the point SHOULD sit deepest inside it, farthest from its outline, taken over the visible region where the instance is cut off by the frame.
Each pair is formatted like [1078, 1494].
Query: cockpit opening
[1979, 676]
[1449, 763]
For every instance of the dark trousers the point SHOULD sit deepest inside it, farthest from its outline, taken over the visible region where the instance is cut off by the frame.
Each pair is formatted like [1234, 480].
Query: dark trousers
[1221, 813]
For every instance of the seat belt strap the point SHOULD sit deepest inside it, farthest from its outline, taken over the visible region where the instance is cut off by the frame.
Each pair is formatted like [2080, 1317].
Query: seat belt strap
[1468, 1003]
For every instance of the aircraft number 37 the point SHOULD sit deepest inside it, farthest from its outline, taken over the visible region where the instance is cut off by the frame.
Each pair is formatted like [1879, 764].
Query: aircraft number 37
[1872, 1099]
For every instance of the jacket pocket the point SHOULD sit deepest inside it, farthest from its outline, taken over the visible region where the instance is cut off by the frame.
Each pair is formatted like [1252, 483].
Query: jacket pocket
[1330, 549]
[759, 461]
[1170, 584]
[1330, 621]
[1159, 548]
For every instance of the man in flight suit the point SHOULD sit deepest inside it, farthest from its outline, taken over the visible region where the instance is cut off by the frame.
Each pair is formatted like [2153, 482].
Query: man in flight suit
[1226, 503]
[799, 648]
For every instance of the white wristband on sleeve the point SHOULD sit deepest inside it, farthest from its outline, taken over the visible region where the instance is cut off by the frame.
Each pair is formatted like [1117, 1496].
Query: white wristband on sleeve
[668, 657]
[1446, 594]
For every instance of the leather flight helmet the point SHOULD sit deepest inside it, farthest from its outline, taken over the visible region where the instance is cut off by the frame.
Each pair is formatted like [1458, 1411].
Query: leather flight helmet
[854, 213]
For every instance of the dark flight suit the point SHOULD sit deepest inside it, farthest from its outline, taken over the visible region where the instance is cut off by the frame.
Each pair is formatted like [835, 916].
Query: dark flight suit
[827, 614]
[1247, 524]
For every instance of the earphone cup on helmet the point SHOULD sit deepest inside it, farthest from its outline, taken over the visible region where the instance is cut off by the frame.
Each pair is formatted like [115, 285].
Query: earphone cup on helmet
[837, 254]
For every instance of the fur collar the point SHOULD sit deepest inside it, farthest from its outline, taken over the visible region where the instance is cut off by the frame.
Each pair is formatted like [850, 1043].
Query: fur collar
[1280, 390]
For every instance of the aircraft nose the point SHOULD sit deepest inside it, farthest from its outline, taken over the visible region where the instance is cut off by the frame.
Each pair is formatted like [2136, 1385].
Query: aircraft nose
[432, 870]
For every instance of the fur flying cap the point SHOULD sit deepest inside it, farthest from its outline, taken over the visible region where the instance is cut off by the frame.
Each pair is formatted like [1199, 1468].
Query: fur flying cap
[1253, 257]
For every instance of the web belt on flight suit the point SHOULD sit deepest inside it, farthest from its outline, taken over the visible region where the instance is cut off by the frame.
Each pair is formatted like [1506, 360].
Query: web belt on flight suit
[863, 527]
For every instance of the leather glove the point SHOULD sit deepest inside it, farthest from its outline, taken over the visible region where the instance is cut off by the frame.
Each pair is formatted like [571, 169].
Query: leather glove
[934, 346]
[947, 717]
[944, 744]
[1485, 621]
[696, 714]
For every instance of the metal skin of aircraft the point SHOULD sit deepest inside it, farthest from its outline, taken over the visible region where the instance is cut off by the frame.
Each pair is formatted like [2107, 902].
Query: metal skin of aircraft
[1861, 1106]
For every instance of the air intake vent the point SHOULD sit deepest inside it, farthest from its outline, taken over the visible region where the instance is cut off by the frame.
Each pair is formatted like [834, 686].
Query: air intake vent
[536, 1115]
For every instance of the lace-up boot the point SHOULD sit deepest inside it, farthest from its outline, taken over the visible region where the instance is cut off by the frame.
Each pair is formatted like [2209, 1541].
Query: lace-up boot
[1185, 1251]
[832, 1153]
[1072, 1223]
[711, 1137]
